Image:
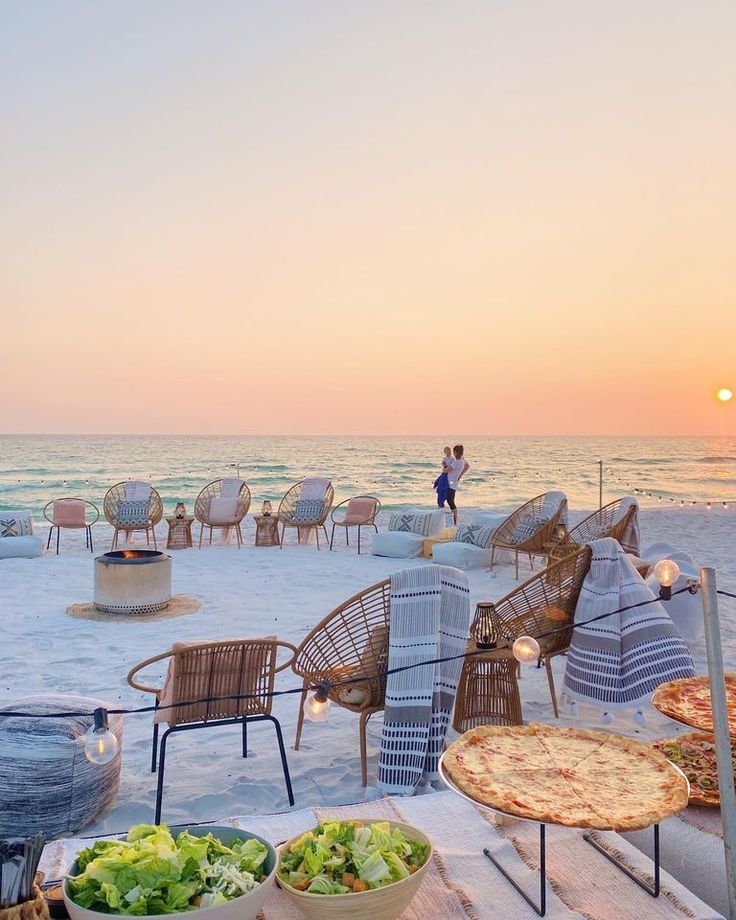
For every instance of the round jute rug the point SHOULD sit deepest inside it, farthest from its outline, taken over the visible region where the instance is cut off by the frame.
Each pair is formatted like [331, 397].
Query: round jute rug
[179, 606]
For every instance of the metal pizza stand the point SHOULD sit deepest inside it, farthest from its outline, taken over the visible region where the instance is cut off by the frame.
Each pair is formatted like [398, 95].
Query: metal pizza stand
[541, 906]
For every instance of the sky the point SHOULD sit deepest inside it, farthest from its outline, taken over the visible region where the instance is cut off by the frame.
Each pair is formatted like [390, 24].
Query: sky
[483, 216]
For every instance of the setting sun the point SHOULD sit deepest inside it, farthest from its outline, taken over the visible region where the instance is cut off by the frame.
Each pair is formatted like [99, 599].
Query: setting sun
[724, 394]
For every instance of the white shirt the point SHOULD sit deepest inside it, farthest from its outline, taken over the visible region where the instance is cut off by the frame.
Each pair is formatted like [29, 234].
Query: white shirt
[456, 468]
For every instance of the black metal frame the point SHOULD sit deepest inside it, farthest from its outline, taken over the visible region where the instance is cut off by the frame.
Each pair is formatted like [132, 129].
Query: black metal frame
[160, 750]
[347, 532]
[87, 536]
[541, 907]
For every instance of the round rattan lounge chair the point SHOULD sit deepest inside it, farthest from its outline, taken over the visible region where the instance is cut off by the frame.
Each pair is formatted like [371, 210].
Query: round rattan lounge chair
[609, 521]
[71, 514]
[127, 514]
[305, 514]
[488, 691]
[208, 516]
[215, 672]
[352, 640]
[359, 511]
[527, 531]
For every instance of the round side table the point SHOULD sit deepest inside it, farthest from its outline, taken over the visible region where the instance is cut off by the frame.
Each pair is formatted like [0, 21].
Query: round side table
[180, 532]
[267, 529]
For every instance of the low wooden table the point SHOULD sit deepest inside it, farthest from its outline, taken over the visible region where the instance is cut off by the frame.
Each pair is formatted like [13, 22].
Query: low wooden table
[267, 529]
[447, 534]
[180, 532]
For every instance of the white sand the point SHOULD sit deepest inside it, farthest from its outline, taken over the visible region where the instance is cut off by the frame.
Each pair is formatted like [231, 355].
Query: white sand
[256, 592]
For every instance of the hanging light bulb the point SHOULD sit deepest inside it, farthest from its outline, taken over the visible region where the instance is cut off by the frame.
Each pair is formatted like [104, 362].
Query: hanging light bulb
[526, 649]
[100, 745]
[666, 571]
[317, 705]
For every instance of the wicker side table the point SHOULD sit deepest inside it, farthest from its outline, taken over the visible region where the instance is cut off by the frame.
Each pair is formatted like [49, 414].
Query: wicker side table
[180, 532]
[267, 529]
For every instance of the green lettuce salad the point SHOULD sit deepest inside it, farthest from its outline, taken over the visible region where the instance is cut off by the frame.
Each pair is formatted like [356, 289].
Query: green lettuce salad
[151, 872]
[339, 857]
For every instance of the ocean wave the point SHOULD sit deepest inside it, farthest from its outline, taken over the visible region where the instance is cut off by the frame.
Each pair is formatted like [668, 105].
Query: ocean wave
[716, 460]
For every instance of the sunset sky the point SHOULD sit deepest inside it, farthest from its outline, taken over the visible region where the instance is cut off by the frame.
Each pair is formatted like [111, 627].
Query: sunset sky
[238, 216]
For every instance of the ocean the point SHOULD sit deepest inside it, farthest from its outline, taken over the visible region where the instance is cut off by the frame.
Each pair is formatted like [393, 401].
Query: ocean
[504, 471]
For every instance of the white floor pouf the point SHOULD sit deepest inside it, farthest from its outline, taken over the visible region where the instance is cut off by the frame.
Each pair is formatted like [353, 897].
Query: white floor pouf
[46, 782]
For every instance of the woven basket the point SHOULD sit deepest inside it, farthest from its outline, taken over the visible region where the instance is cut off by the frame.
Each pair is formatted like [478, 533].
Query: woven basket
[35, 909]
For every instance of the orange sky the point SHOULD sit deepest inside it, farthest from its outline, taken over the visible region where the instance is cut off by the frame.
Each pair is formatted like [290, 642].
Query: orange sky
[320, 217]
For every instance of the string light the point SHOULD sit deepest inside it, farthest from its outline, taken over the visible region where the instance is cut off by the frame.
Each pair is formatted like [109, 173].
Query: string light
[526, 649]
[316, 706]
[100, 745]
[666, 571]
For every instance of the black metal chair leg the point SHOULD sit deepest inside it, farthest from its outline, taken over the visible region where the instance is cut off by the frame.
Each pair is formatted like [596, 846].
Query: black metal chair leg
[58, 534]
[48, 542]
[86, 536]
[284, 762]
[332, 536]
[160, 785]
[91, 548]
[154, 752]
[245, 736]
[358, 539]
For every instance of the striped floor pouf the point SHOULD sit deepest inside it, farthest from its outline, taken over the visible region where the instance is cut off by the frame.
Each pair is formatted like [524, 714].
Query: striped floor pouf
[46, 782]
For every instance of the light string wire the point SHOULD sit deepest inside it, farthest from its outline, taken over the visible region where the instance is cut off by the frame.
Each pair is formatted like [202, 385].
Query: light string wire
[327, 685]
[660, 496]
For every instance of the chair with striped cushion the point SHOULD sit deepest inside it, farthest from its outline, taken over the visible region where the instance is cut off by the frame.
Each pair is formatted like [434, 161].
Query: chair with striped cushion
[305, 507]
[133, 506]
[530, 527]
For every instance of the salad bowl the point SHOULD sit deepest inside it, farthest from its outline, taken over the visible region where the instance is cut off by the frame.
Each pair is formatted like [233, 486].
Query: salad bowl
[387, 902]
[246, 906]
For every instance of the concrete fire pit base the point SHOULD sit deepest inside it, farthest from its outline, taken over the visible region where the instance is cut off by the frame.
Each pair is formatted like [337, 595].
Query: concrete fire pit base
[132, 581]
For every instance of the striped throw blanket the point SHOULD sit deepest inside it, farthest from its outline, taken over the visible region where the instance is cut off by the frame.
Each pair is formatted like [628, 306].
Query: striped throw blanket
[430, 618]
[617, 662]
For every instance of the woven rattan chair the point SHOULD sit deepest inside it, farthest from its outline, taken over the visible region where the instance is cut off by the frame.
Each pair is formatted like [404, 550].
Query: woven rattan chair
[488, 691]
[359, 511]
[207, 670]
[508, 535]
[291, 514]
[203, 509]
[606, 522]
[352, 640]
[71, 514]
[111, 508]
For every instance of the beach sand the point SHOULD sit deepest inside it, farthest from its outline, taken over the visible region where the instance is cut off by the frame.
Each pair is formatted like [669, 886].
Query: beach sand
[258, 592]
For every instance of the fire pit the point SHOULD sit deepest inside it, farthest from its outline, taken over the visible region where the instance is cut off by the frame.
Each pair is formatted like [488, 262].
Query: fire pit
[132, 581]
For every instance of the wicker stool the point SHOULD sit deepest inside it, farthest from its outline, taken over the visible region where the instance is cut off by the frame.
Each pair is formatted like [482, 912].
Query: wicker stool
[46, 782]
[488, 692]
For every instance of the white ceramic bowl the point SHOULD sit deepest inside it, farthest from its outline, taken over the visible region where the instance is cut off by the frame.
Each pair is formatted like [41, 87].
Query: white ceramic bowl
[385, 903]
[246, 907]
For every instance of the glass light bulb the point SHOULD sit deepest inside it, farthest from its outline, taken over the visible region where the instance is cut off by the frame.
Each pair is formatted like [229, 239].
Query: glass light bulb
[525, 649]
[100, 745]
[667, 571]
[315, 709]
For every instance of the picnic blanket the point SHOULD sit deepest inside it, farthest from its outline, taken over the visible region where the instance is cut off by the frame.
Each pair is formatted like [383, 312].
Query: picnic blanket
[619, 661]
[430, 618]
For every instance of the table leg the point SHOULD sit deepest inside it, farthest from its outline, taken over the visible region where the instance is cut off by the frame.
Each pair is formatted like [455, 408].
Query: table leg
[540, 908]
[653, 890]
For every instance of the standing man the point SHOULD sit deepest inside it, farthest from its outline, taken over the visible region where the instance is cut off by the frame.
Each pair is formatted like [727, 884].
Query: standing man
[459, 466]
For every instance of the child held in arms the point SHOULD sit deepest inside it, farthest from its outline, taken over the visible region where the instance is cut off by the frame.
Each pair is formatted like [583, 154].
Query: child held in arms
[442, 483]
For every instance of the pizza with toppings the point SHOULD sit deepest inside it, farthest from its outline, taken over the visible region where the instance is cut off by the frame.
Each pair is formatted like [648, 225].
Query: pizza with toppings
[695, 755]
[569, 776]
[688, 701]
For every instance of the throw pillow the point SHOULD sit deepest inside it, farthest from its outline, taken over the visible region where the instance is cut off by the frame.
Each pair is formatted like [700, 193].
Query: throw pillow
[223, 510]
[16, 524]
[133, 513]
[419, 522]
[476, 534]
[527, 527]
[308, 510]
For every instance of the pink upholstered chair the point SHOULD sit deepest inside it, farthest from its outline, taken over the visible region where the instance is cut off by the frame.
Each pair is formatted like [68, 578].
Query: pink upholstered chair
[360, 511]
[71, 514]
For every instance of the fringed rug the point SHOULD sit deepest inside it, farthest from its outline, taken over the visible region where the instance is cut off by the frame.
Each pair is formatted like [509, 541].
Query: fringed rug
[179, 606]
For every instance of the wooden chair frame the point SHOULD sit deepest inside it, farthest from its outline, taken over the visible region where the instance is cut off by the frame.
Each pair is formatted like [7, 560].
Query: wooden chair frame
[223, 711]
[87, 526]
[202, 510]
[114, 495]
[545, 601]
[339, 646]
[533, 545]
[340, 522]
[287, 511]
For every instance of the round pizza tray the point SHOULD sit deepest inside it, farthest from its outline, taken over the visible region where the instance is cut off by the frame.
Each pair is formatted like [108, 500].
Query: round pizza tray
[507, 814]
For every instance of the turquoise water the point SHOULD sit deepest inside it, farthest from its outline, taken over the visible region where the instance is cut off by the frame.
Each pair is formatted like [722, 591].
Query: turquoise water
[400, 471]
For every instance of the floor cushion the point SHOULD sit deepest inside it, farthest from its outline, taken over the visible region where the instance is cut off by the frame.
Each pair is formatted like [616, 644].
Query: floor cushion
[397, 544]
[461, 555]
[20, 547]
